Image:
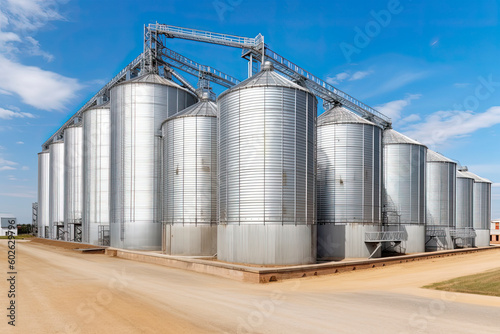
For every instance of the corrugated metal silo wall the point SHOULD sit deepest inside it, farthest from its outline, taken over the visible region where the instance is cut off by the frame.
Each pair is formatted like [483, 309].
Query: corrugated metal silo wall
[441, 193]
[190, 184]
[43, 193]
[465, 188]
[404, 182]
[73, 180]
[267, 166]
[56, 188]
[137, 111]
[349, 173]
[96, 173]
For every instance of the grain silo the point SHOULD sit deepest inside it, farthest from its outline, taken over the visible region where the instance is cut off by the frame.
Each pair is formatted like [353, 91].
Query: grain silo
[441, 201]
[464, 233]
[481, 210]
[190, 180]
[96, 159]
[349, 184]
[138, 107]
[73, 182]
[267, 138]
[56, 191]
[43, 194]
[404, 189]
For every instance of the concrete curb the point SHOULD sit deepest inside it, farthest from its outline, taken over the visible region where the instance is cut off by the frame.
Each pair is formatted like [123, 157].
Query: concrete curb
[263, 275]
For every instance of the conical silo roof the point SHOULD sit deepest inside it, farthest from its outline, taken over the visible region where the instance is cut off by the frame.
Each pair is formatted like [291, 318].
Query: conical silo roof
[464, 175]
[476, 177]
[433, 156]
[267, 77]
[339, 115]
[203, 108]
[391, 136]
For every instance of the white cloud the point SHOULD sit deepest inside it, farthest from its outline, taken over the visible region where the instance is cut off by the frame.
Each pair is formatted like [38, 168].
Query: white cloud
[398, 81]
[11, 178]
[20, 142]
[19, 21]
[359, 75]
[28, 194]
[343, 76]
[25, 168]
[393, 109]
[410, 119]
[7, 165]
[9, 114]
[35, 49]
[7, 162]
[39, 88]
[31, 14]
[496, 185]
[442, 126]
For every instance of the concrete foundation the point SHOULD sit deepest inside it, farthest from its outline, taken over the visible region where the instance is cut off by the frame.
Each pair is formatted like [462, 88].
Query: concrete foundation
[413, 241]
[189, 240]
[337, 242]
[482, 238]
[267, 244]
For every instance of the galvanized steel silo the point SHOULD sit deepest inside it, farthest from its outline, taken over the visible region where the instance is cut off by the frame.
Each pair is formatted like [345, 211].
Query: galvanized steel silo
[481, 211]
[190, 181]
[349, 184]
[465, 206]
[267, 161]
[73, 182]
[43, 194]
[96, 161]
[56, 191]
[404, 188]
[441, 200]
[138, 107]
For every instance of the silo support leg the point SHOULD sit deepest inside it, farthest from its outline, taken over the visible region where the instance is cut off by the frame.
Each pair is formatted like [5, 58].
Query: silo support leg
[379, 245]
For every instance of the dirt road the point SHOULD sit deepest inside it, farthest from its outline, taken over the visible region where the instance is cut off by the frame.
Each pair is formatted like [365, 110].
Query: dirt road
[61, 291]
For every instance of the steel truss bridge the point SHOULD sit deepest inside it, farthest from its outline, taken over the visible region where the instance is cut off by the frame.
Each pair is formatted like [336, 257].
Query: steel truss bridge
[157, 58]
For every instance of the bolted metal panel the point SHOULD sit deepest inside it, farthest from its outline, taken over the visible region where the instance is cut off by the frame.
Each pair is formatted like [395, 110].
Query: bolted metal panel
[441, 190]
[482, 205]
[96, 172]
[138, 108]
[190, 179]
[267, 165]
[340, 241]
[481, 201]
[56, 188]
[349, 169]
[404, 177]
[267, 244]
[465, 204]
[73, 180]
[43, 192]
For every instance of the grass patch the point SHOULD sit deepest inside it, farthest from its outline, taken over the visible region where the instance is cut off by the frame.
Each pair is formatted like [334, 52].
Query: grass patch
[21, 236]
[487, 283]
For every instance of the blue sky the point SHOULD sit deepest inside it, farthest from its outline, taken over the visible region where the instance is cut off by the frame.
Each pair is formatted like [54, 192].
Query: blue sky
[430, 65]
